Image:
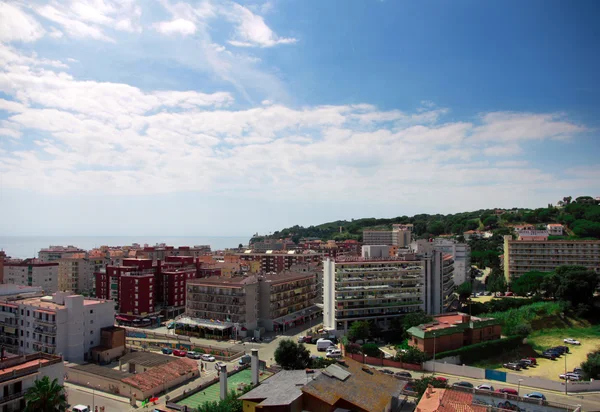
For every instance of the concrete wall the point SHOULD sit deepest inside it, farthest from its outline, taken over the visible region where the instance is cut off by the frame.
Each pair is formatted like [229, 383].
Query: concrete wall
[101, 383]
[369, 360]
[460, 370]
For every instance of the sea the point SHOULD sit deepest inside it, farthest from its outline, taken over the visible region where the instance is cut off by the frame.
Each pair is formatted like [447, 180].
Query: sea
[28, 246]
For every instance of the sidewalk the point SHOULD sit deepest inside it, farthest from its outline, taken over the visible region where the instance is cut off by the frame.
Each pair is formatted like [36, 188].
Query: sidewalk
[96, 392]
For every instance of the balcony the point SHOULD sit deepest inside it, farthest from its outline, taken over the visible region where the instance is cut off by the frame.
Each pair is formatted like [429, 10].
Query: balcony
[44, 322]
[46, 331]
[11, 398]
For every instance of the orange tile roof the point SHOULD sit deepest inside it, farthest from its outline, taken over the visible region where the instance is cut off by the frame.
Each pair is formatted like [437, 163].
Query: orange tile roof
[156, 377]
[448, 400]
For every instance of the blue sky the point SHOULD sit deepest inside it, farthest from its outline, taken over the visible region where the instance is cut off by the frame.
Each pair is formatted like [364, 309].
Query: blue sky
[228, 118]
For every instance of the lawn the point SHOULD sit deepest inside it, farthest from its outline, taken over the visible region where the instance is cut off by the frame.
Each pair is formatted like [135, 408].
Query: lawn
[212, 393]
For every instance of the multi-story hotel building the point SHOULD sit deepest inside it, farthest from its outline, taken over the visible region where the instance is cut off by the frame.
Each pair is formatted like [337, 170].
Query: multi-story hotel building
[278, 261]
[19, 373]
[32, 272]
[76, 273]
[381, 289]
[59, 324]
[400, 236]
[227, 300]
[522, 256]
[461, 252]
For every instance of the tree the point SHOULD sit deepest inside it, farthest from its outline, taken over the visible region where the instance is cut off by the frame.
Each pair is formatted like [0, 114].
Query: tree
[577, 284]
[240, 246]
[591, 367]
[412, 355]
[359, 330]
[495, 281]
[46, 396]
[435, 228]
[464, 291]
[291, 355]
[415, 319]
[491, 222]
[420, 385]
[529, 282]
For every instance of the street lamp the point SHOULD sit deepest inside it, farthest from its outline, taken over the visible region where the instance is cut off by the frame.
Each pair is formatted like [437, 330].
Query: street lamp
[434, 353]
[519, 387]
[566, 377]
[93, 397]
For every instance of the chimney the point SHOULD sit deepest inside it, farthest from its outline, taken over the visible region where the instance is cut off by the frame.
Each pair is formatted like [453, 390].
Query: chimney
[254, 367]
[223, 378]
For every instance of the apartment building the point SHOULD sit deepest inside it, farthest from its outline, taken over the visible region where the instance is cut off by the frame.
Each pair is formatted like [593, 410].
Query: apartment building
[19, 373]
[278, 261]
[284, 299]
[226, 300]
[522, 256]
[461, 252]
[52, 253]
[2, 258]
[381, 289]
[32, 272]
[59, 324]
[400, 235]
[76, 273]
[555, 229]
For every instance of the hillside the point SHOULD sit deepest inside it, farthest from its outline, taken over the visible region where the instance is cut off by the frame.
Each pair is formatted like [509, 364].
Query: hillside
[581, 217]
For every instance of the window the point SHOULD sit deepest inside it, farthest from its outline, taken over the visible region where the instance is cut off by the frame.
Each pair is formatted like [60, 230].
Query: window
[91, 311]
[91, 321]
[27, 333]
[21, 335]
[27, 345]
[91, 342]
[91, 332]
[27, 313]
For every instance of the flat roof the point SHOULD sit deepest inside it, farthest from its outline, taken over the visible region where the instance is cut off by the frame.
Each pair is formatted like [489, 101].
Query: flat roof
[285, 277]
[146, 358]
[218, 281]
[103, 371]
[44, 302]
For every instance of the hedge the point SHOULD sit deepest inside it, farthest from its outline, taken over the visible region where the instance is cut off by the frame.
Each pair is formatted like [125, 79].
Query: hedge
[483, 350]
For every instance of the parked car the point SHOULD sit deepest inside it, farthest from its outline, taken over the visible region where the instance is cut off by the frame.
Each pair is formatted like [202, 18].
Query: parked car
[522, 363]
[245, 360]
[533, 360]
[464, 384]
[180, 352]
[336, 353]
[441, 379]
[570, 376]
[386, 371]
[193, 355]
[166, 351]
[513, 366]
[487, 293]
[498, 294]
[80, 408]
[535, 395]
[571, 341]
[509, 294]
[331, 348]
[402, 375]
[485, 387]
[548, 355]
[527, 362]
[509, 391]
[323, 344]
[562, 349]
[207, 358]
[578, 371]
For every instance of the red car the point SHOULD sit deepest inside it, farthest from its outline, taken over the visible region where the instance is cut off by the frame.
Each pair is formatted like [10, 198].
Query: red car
[179, 352]
[510, 391]
[509, 294]
[533, 360]
[441, 379]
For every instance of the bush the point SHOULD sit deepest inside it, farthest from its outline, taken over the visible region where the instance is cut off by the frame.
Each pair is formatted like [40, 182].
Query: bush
[411, 355]
[353, 348]
[591, 367]
[320, 363]
[483, 350]
[523, 329]
[371, 349]
[512, 318]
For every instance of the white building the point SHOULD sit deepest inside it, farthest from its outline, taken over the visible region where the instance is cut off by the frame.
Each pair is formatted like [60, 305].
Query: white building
[461, 252]
[400, 236]
[555, 229]
[63, 324]
[32, 272]
[19, 373]
[383, 288]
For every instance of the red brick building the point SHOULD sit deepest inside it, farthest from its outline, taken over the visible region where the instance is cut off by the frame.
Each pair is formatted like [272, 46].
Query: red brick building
[453, 331]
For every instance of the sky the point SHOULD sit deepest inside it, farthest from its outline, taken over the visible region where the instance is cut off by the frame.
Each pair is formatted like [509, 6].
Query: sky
[158, 117]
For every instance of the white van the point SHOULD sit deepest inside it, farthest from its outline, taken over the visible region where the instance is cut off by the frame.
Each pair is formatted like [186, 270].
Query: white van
[323, 344]
[80, 408]
[335, 353]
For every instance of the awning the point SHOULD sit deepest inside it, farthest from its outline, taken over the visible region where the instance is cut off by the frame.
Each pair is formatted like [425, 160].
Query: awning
[121, 318]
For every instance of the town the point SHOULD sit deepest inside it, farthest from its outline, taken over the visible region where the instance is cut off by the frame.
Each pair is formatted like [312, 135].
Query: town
[397, 318]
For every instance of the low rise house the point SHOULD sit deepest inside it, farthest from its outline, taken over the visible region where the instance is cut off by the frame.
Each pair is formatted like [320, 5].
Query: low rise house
[453, 331]
[555, 229]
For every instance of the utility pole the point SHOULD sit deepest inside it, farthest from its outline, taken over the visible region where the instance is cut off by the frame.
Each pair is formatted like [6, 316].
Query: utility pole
[566, 377]
[433, 353]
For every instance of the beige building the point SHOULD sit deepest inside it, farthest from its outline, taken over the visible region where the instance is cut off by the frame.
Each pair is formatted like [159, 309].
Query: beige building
[32, 272]
[400, 235]
[522, 256]
[76, 273]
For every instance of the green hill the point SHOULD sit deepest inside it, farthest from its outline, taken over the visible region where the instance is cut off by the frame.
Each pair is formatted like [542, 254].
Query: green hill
[581, 217]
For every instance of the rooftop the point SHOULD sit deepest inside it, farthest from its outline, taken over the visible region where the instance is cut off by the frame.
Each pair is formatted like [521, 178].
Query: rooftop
[156, 377]
[233, 282]
[21, 365]
[448, 400]
[283, 388]
[146, 359]
[103, 371]
[284, 277]
[367, 388]
[450, 323]
[47, 302]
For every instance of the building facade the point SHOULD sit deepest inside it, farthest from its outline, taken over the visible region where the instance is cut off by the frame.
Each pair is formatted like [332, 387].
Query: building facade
[461, 252]
[53, 253]
[63, 324]
[275, 262]
[32, 272]
[522, 256]
[19, 373]
[555, 229]
[453, 331]
[76, 273]
[381, 289]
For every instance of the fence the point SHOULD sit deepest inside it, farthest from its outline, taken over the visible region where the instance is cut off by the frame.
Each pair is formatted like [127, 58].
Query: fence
[370, 360]
[516, 379]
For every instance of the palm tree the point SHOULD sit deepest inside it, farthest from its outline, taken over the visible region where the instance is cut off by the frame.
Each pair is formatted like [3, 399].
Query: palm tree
[46, 396]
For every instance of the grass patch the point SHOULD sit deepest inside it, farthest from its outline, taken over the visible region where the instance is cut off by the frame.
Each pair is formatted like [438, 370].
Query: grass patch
[511, 318]
[544, 338]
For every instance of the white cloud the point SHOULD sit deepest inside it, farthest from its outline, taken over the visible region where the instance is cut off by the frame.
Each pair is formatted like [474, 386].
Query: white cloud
[16, 25]
[177, 26]
[503, 150]
[251, 29]
[114, 138]
[91, 18]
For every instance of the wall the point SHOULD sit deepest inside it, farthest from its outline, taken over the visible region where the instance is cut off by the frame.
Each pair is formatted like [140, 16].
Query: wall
[460, 370]
[370, 360]
[101, 383]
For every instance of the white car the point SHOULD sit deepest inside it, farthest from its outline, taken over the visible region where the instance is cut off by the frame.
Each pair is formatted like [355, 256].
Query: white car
[571, 341]
[486, 387]
[207, 358]
[570, 376]
[336, 353]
